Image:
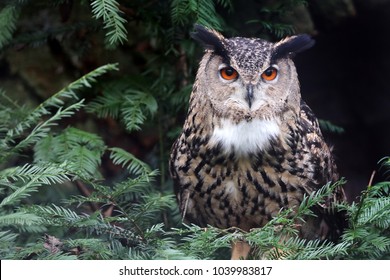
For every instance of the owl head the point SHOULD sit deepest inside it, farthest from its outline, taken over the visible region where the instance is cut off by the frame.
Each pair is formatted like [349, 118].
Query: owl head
[249, 78]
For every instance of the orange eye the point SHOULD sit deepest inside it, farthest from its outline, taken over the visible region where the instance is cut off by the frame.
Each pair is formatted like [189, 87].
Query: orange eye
[228, 73]
[270, 74]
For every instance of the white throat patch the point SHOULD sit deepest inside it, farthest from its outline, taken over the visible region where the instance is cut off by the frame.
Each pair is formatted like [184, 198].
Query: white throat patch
[245, 137]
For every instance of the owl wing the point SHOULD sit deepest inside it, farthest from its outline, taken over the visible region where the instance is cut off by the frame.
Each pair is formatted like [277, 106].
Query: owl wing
[334, 222]
[310, 119]
[315, 146]
[320, 153]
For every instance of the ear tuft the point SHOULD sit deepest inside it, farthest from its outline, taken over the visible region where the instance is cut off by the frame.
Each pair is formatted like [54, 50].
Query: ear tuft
[210, 39]
[292, 45]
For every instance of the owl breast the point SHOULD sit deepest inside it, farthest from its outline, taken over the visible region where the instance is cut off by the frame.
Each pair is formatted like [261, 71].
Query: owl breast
[225, 189]
[246, 136]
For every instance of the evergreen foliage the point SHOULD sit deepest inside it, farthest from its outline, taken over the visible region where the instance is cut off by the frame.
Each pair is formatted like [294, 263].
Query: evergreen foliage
[131, 104]
[57, 199]
[270, 20]
[185, 13]
[10, 142]
[8, 19]
[329, 126]
[369, 220]
[108, 10]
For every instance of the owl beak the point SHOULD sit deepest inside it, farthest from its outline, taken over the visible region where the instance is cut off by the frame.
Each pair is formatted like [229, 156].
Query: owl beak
[249, 95]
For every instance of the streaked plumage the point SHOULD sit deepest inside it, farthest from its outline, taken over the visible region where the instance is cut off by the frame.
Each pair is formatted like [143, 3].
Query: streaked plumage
[250, 146]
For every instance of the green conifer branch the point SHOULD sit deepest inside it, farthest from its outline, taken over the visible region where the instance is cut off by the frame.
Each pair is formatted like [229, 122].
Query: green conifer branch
[8, 19]
[34, 119]
[109, 12]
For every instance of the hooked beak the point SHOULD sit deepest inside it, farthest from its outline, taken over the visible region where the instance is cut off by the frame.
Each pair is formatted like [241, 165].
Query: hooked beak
[249, 95]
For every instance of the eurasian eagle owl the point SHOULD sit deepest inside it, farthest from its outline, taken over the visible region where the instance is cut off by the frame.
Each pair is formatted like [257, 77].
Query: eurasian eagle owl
[250, 146]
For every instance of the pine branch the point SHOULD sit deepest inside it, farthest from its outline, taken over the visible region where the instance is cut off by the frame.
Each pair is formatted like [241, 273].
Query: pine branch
[376, 212]
[329, 126]
[32, 176]
[152, 204]
[129, 161]
[203, 243]
[10, 115]
[42, 129]
[203, 11]
[133, 188]
[271, 19]
[82, 151]
[57, 215]
[300, 249]
[6, 238]
[19, 219]
[8, 19]
[93, 249]
[38, 38]
[368, 233]
[69, 92]
[107, 105]
[108, 11]
[130, 100]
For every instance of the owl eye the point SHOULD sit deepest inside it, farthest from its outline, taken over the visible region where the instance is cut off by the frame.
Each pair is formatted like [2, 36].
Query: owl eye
[270, 74]
[228, 73]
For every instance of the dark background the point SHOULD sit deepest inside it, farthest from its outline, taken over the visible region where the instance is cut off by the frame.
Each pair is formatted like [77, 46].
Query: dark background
[345, 79]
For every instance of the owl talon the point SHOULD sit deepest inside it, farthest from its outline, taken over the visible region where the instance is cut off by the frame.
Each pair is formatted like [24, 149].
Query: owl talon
[240, 250]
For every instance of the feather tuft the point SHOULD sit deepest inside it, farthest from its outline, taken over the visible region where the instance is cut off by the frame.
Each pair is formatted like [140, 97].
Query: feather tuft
[210, 39]
[292, 45]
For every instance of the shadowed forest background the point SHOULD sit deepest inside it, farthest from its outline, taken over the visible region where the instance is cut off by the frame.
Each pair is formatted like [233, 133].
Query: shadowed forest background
[93, 94]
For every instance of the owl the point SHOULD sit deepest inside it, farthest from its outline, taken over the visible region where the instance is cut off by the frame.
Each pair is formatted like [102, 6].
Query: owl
[250, 146]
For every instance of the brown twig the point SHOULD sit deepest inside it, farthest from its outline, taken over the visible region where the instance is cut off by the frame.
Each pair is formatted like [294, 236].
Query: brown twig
[365, 194]
[371, 179]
